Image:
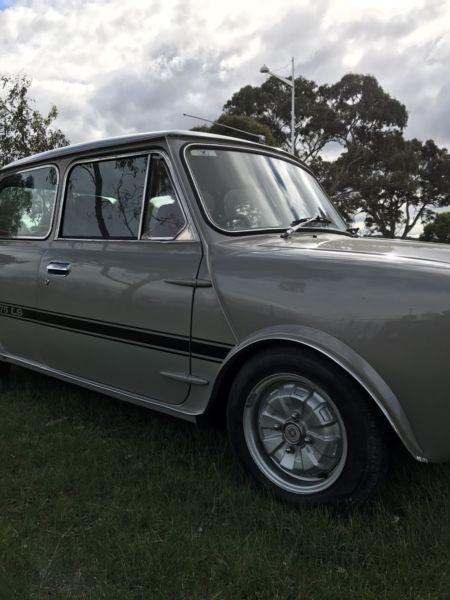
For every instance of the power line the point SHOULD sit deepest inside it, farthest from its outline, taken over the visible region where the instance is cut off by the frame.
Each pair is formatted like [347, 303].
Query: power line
[278, 69]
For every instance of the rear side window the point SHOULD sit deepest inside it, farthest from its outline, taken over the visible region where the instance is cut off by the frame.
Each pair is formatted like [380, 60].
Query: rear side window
[27, 201]
[104, 199]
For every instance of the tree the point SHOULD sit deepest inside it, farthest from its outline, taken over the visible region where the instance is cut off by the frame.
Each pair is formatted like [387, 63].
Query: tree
[347, 113]
[438, 230]
[363, 109]
[367, 116]
[396, 183]
[23, 129]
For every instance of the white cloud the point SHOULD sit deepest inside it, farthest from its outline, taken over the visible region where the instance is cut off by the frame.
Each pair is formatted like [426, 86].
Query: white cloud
[114, 66]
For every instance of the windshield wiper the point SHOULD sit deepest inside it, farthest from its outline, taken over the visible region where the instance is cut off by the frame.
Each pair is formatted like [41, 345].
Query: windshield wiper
[300, 223]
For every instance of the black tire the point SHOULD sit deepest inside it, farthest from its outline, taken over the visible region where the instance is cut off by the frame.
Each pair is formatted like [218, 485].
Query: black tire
[365, 461]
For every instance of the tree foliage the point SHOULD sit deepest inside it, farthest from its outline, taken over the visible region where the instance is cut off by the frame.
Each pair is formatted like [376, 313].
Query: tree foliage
[347, 113]
[23, 129]
[395, 182]
[438, 230]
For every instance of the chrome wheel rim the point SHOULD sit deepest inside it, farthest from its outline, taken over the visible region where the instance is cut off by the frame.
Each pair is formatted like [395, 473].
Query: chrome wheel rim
[295, 433]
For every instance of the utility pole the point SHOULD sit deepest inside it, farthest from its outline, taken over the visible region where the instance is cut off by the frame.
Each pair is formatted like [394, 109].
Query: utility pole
[293, 109]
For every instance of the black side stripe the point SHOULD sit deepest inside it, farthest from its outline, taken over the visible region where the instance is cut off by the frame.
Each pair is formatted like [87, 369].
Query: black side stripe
[140, 337]
[90, 320]
[209, 350]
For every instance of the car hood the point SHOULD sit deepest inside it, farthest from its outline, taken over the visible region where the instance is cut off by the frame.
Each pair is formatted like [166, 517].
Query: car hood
[381, 247]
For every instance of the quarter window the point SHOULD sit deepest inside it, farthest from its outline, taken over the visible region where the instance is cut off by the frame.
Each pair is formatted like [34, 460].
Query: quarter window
[104, 199]
[27, 200]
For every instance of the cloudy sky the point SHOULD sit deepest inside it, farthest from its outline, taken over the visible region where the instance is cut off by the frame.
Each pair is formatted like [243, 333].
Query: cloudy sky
[118, 66]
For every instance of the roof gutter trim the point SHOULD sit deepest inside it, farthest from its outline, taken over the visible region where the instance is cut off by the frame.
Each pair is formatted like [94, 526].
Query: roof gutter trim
[123, 140]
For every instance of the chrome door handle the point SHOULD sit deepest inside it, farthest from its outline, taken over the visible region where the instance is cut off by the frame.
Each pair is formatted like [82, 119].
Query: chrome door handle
[58, 268]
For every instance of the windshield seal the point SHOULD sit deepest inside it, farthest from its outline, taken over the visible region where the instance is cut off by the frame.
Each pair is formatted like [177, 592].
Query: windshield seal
[259, 151]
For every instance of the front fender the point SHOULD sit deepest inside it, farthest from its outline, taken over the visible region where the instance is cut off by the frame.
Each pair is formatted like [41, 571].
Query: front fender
[345, 357]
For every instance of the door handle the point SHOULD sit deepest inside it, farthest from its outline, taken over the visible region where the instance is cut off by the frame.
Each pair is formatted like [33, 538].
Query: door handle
[58, 268]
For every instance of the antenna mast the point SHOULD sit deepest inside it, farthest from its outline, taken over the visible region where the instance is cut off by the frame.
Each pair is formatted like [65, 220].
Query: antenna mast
[261, 138]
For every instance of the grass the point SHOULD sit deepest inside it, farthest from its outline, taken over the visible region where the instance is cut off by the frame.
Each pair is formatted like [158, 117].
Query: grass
[101, 499]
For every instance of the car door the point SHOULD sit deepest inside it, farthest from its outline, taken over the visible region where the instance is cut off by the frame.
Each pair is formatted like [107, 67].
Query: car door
[115, 314]
[27, 203]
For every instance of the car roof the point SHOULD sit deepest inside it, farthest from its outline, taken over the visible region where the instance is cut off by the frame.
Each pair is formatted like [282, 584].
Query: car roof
[119, 141]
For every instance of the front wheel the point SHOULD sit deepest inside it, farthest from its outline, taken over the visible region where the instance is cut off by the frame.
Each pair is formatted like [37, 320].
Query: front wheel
[306, 431]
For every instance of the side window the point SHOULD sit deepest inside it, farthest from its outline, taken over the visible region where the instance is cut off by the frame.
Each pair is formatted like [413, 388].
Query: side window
[27, 200]
[104, 199]
[163, 217]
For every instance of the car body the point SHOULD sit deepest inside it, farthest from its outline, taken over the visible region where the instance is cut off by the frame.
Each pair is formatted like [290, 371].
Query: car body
[166, 315]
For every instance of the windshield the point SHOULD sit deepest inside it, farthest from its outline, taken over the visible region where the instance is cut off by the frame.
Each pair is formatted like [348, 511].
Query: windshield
[244, 191]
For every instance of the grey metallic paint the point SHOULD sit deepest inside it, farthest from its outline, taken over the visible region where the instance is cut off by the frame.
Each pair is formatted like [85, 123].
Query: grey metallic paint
[378, 308]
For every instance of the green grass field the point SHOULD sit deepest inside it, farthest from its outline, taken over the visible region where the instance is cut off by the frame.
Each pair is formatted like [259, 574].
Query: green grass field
[101, 499]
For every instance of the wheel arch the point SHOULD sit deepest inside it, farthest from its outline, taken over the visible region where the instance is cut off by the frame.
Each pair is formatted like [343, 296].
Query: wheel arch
[338, 356]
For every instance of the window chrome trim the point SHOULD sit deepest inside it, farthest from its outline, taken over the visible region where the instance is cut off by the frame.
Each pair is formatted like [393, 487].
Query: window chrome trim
[146, 182]
[47, 235]
[188, 223]
[242, 232]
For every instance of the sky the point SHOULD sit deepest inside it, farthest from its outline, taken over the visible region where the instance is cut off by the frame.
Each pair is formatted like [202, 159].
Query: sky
[118, 66]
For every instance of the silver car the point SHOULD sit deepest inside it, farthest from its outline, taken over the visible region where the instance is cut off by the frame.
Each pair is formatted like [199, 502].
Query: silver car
[211, 278]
